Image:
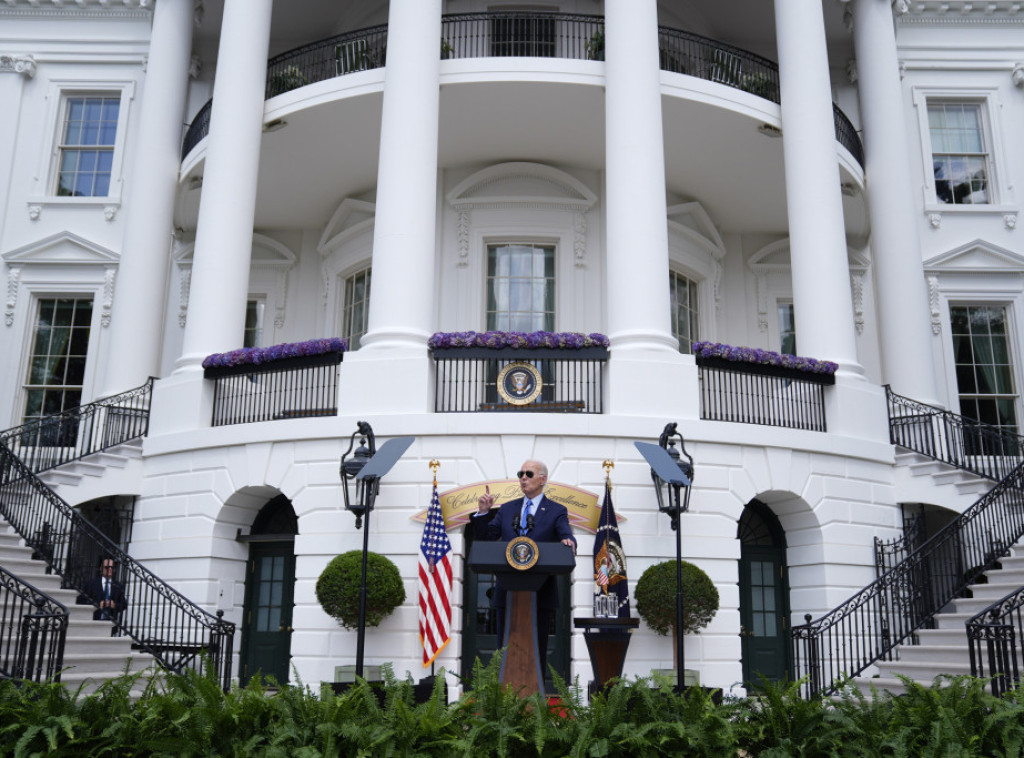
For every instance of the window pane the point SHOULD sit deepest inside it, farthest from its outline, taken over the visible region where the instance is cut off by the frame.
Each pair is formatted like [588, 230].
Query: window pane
[959, 155]
[57, 364]
[356, 307]
[520, 287]
[984, 367]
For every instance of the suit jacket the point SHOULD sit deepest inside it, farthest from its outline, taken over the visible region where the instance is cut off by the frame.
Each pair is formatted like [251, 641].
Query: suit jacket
[94, 594]
[550, 524]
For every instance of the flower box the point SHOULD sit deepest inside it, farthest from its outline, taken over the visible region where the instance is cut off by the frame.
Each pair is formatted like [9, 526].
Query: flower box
[283, 364]
[521, 353]
[766, 369]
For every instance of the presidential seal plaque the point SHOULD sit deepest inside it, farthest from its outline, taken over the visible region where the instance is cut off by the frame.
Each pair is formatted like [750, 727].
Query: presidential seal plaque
[522, 553]
[519, 383]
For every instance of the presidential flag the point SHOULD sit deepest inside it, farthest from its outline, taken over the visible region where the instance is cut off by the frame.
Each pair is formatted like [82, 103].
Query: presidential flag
[435, 583]
[611, 588]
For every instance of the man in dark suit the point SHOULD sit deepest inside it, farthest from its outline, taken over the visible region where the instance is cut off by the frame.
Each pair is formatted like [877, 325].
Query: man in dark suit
[542, 520]
[106, 592]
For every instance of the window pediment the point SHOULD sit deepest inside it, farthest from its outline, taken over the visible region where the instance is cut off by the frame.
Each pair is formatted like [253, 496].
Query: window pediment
[62, 248]
[349, 219]
[519, 184]
[977, 256]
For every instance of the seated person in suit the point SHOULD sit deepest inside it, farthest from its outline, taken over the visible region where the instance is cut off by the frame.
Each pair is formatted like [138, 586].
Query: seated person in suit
[550, 523]
[106, 592]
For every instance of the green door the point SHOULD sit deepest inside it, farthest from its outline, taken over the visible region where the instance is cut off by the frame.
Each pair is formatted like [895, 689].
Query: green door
[764, 596]
[267, 627]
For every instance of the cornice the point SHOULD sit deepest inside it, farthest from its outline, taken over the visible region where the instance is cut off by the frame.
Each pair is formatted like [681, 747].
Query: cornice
[962, 13]
[126, 9]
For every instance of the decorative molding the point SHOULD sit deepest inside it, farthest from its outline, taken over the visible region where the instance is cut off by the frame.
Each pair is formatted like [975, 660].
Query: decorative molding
[961, 12]
[900, 7]
[762, 302]
[857, 291]
[935, 219]
[464, 224]
[109, 279]
[110, 211]
[183, 294]
[1010, 219]
[13, 277]
[282, 304]
[34, 211]
[716, 282]
[933, 304]
[18, 64]
[579, 241]
[198, 12]
[121, 9]
[851, 70]
[1017, 75]
[524, 186]
[195, 67]
[977, 256]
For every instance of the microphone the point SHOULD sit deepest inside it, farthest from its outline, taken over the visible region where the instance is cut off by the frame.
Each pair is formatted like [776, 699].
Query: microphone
[529, 523]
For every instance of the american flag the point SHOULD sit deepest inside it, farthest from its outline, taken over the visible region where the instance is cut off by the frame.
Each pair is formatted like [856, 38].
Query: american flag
[602, 575]
[435, 584]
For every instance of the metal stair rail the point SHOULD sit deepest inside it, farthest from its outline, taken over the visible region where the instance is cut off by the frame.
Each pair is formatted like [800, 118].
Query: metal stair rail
[33, 628]
[60, 438]
[868, 627]
[160, 620]
[981, 449]
[888, 553]
[996, 638]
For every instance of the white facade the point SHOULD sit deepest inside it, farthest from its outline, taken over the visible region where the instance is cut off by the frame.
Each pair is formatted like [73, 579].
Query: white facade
[412, 166]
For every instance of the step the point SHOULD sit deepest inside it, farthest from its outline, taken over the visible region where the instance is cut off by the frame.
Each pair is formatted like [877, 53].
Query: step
[923, 672]
[108, 664]
[995, 590]
[58, 477]
[936, 654]
[950, 636]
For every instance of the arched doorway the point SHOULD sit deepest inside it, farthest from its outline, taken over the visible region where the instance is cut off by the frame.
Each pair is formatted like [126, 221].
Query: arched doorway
[764, 595]
[269, 592]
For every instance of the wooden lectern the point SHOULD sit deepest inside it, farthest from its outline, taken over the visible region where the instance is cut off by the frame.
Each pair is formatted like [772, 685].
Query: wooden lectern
[520, 663]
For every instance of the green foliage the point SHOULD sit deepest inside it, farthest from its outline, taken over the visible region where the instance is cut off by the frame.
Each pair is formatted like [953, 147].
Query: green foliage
[189, 715]
[337, 589]
[656, 597]
[289, 78]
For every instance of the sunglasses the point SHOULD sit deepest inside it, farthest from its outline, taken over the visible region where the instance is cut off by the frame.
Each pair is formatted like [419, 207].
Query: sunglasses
[527, 474]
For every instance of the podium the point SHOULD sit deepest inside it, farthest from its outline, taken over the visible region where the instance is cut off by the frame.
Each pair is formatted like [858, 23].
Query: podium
[521, 566]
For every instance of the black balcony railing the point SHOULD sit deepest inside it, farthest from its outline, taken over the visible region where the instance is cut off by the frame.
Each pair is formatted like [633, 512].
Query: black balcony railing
[889, 611]
[752, 393]
[60, 438]
[160, 620]
[524, 34]
[570, 381]
[33, 628]
[300, 387]
[996, 637]
[983, 450]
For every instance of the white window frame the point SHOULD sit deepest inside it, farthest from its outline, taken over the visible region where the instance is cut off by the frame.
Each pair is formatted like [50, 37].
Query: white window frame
[364, 267]
[1012, 341]
[699, 285]
[998, 180]
[59, 92]
[511, 240]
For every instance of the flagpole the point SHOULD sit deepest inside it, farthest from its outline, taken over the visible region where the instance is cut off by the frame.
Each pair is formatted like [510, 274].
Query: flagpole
[434, 464]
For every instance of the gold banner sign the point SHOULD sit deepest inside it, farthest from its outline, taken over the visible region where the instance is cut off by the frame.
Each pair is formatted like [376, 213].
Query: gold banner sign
[459, 505]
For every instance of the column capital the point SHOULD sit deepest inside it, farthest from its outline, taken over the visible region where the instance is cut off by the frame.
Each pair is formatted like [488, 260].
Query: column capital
[18, 64]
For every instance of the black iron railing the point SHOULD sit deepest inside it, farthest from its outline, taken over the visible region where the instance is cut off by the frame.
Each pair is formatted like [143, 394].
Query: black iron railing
[473, 380]
[888, 553]
[303, 387]
[868, 627]
[33, 627]
[750, 393]
[160, 620]
[60, 438]
[198, 129]
[996, 637]
[525, 34]
[983, 450]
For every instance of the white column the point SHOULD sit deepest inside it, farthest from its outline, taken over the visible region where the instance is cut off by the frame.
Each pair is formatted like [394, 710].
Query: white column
[404, 241]
[220, 266]
[896, 246]
[139, 302]
[644, 352]
[821, 275]
[14, 71]
[637, 224]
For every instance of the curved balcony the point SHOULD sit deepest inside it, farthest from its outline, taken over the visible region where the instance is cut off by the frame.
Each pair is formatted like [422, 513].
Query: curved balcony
[533, 35]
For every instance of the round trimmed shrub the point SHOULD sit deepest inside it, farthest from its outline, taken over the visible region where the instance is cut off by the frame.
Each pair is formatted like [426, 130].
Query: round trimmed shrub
[656, 597]
[337, 589]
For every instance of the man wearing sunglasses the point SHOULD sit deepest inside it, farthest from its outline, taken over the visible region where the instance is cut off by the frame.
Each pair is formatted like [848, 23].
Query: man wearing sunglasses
[542, 520]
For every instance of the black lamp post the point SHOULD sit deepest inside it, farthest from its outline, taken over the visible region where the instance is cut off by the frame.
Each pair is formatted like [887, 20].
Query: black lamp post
[673, 491]
[360, 495]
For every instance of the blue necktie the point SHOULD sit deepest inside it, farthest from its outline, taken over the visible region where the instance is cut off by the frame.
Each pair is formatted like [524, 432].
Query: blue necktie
[527, 505]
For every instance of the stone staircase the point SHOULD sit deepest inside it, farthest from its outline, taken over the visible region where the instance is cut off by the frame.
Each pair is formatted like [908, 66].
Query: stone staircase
[944, 650]
[115, 470]
[920, 479]
[91, 655]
